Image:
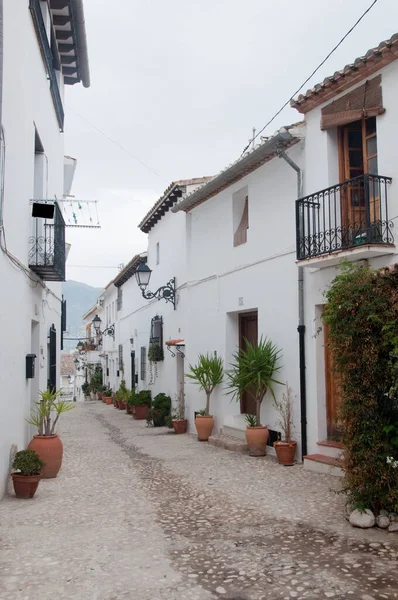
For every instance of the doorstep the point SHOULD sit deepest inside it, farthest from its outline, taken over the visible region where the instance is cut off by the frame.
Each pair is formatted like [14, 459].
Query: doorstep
[320, 463]
[228, 442]
[329, 448]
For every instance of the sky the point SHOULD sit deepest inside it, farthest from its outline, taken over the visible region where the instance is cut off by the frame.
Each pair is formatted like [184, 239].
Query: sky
[180, 85]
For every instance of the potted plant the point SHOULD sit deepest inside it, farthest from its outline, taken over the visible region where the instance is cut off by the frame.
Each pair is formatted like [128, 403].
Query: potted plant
[155, 353]
[47, 443]
[178, 420]
[122, 395]
[161, 406]
[253, 370]
[28, 466]
[207, 373]
[107, 395]
[141, 403]
[285, 448]
[130, 402]
[86, 389]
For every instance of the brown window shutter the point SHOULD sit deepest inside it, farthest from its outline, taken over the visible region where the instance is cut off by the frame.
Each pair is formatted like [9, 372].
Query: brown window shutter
[240, 236]
[364, 101]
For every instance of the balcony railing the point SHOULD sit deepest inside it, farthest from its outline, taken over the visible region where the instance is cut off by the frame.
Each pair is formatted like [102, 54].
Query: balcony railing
[47, 54]
[349, 214]
[47, 254]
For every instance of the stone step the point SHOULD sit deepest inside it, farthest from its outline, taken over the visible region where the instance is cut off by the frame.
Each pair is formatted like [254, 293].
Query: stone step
[320, 463]
[228, 443]
[234, 432]
[329, 448]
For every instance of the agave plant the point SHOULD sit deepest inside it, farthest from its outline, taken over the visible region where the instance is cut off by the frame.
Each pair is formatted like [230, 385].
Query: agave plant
[254, 370]
[47, 411]
[207, 373]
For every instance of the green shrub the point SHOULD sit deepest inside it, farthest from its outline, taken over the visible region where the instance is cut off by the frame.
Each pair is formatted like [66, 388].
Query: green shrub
[27, 462]
[143, 397]
[155, 353]
[107, 392]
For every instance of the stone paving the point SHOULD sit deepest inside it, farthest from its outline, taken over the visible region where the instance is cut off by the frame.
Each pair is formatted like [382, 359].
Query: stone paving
[142, 514]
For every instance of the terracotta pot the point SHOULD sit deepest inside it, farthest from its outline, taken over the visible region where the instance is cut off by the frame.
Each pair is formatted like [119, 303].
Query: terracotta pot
[50, 450]
[179, 425]
[108, 399]
[204, 427]
[257, 438]
[285, 452]
[128, 409]
[25, 486]
[100, 396]
[122, 405]
[141, 411]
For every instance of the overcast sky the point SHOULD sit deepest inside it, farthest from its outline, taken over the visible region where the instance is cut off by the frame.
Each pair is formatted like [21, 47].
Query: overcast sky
[180, 85]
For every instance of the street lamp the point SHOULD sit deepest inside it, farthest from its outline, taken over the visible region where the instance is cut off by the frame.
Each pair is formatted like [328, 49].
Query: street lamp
[167, 292]
[107, 331]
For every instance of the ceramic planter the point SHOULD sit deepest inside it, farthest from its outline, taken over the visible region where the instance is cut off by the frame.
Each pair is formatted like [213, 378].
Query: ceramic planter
[179, 425]
[25, 486]
[285, 452]
[121, 405]
[204, 427]
[50, 450]
[108, 399]
[141, 411]
[257, 438]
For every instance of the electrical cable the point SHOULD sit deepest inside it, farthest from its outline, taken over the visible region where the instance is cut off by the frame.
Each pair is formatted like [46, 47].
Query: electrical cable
[311, 75]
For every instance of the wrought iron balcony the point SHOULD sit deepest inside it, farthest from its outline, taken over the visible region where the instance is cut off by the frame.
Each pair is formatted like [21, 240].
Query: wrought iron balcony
[349, 214]
[48, 58]
[47, 255]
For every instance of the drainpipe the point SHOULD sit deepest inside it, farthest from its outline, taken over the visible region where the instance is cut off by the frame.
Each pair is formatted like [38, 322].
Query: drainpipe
[301, 325]
[79, 22]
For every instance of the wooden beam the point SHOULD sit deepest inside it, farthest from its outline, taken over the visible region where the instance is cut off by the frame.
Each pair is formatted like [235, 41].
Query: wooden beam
[59, 4]
[66, 48]
[63, 35]
[68, 60]
[69, 70]
[71, 80]
[61, 20]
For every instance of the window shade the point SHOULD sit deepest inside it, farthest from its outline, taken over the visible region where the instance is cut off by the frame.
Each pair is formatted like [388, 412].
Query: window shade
[364, 101]
[240, 236]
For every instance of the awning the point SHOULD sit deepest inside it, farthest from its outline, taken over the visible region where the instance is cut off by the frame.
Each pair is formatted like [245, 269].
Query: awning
[178, 342]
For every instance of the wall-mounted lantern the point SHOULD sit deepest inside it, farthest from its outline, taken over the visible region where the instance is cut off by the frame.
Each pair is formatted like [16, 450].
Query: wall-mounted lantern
[107, 331]
[166, 292]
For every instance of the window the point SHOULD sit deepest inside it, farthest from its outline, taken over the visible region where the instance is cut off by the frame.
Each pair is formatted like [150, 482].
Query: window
[157, 331]
[143, 363]
[157, 253]
[121, 366]
[119, 298]
[240, 216]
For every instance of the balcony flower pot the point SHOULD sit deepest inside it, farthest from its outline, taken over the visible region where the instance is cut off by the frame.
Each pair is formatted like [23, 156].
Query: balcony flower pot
[257, 438]
[204, 426]
[141, 411]
[285, 452]
[50, 449]
[179, 425]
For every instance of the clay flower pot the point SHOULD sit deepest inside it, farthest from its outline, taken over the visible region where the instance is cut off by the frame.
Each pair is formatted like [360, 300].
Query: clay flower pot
[204, 426]
[100, 396]
[179, 425]
[25, 486]
[121, 405]
[257, 438]
[285, 452]
[141, 411]
[50, 450]
[108, 399]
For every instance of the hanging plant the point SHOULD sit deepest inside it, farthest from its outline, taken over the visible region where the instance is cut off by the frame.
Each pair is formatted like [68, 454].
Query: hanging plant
[155, 353]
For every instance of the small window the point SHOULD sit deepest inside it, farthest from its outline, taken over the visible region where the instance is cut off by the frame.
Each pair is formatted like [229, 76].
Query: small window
[121, 366]
[240, 207]
[143, 363]
[156, 331]
[119, 298]
[157, 253]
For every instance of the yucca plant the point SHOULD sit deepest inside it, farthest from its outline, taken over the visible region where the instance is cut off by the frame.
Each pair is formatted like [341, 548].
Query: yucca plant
[47, 412]
[207, 373]
[254, 370]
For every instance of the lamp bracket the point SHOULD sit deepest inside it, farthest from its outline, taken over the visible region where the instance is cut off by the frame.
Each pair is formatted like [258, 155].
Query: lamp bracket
[166, 292]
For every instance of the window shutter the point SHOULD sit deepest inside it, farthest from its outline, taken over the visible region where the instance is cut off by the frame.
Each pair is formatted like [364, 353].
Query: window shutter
[365, 101]
[63, 321]
[52, 358]
[143, 363]
[119, 298]
[240, 236]
[157, 331]
[121, 368]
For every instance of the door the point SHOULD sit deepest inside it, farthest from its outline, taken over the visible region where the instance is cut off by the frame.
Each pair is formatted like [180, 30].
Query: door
[248, 330]
[332, 391]
[132, 369]
[360, 203]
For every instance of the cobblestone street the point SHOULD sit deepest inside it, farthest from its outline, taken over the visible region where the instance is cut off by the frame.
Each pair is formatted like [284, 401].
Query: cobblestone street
[140, 513]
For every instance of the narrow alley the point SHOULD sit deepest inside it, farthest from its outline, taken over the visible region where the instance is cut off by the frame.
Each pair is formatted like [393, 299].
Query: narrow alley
[142, 514]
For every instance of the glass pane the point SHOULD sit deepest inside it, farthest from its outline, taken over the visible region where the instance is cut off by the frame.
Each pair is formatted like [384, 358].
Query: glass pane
[354, 139]
[372, 165]
[370, 125]
[371, 146]
[356, 158]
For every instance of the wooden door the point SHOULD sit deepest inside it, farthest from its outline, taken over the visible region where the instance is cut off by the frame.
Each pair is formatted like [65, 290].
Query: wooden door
[248, 330]
[332, 391]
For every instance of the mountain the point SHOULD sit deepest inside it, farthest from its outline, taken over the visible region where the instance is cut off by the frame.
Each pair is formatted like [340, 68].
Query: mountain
[79, 298]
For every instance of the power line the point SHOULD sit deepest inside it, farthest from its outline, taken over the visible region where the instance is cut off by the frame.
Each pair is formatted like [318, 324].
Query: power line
[312, 74]
[105, 135]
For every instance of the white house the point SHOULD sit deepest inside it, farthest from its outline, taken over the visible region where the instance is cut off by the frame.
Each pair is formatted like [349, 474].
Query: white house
[32, 235]
[348, 209]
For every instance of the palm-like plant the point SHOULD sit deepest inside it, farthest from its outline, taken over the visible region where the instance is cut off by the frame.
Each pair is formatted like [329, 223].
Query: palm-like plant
[47, 412]
[253, 369]
[207, 373]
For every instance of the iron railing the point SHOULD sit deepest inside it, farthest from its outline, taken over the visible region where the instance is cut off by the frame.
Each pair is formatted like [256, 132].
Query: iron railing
[47, 54]
[343, 216]
[47, 254]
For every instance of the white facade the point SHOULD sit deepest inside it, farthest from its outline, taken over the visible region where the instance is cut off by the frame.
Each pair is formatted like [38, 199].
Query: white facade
[33, 155]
